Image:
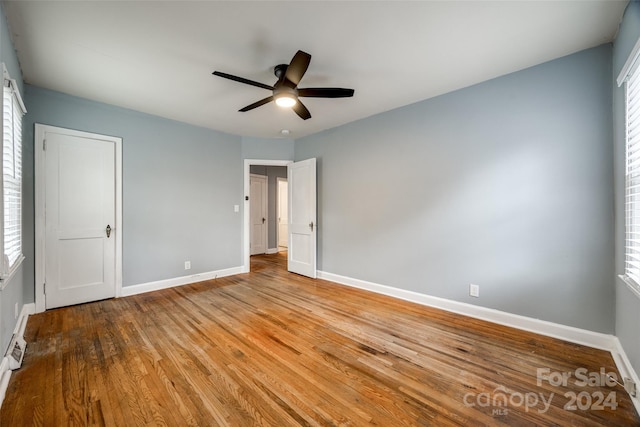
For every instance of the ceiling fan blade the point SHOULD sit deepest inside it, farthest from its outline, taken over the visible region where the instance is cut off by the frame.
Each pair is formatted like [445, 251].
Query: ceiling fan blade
[325, 92]
[297, 67]
[256, 104]
[301, 110]
[242, 80]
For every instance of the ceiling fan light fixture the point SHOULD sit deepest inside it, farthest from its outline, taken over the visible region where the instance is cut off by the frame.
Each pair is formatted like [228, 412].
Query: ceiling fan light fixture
[285, 90]
[286, 101]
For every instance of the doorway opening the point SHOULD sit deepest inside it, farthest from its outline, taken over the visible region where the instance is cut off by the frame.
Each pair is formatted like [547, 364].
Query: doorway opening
[258, 212]
[273, 169]
[282, 210]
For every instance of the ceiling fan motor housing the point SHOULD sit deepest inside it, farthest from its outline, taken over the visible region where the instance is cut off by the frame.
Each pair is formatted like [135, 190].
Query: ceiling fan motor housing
[285, 91]
[280, 70]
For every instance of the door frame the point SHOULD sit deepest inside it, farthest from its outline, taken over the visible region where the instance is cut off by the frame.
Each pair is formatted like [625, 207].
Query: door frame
[40, 197]
[278, 200]
[265, 205]
[246, 251]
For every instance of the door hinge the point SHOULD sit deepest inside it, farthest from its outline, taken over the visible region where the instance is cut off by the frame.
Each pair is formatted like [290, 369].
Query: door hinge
[44, 145]
[44, 288]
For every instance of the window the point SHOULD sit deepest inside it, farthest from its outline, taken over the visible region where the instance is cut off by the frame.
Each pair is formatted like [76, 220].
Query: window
[630, 77]
[12, 112]
[632, 178]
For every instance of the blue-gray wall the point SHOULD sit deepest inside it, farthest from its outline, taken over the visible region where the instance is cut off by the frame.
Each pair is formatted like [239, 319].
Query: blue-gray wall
[15, 289]
[627, 304]
[272, 173]
[267, 149]
[506, 184]
[180, 183]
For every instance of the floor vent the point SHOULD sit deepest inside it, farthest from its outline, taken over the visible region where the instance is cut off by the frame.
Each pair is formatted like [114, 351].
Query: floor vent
[15, 353]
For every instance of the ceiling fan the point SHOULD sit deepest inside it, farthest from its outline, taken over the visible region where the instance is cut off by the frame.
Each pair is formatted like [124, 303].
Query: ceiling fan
[286, 91]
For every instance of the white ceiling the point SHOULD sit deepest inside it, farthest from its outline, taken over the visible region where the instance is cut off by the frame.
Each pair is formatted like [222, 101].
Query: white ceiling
[157, 56]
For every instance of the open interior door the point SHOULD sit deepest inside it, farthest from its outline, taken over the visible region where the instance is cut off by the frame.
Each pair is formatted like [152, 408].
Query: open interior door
[302, 217]
[258, 214]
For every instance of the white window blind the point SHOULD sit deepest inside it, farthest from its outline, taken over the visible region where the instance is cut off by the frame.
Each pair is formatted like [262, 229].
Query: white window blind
[12, 112]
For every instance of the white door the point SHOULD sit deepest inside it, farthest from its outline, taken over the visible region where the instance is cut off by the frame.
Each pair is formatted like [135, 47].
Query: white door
[80, 213]
[302, 217]
[283, 213]
[258, 216]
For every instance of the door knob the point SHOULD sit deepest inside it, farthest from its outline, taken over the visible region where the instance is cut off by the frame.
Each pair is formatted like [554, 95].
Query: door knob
[311, 225]
[263, 220]
[108, 231]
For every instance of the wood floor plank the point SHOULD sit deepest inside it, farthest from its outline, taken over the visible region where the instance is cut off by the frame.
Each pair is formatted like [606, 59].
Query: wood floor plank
[271, 348]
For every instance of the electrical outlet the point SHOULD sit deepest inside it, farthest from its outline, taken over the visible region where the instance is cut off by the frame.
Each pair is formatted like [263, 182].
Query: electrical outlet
[474, 290]
[15, 311]
[629, 386]
[187, 265]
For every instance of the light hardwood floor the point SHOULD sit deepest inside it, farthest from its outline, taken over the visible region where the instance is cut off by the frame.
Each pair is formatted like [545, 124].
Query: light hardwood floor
[272, 348]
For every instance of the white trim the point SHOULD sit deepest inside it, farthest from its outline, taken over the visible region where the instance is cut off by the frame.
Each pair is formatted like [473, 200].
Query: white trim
[542, 327]
[27, 310]
[14, 87]
[246, 252]
[5, 372]
[631, 284]
[609, 343]
[5, 281]
[272, 251]
[626, 369]
[39, 182]
[631, 61]
[178, 281]
[5, 376]
[280, 179]
[39, 202]
[118, 233]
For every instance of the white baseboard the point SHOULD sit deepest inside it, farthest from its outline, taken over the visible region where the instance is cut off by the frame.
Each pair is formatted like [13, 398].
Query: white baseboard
[5, 373]
[609, 343]
[27, 310]
[179, 281]
[543, 327]
[5, 376]
[626, 370]
[271, 251]
[598, 340]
